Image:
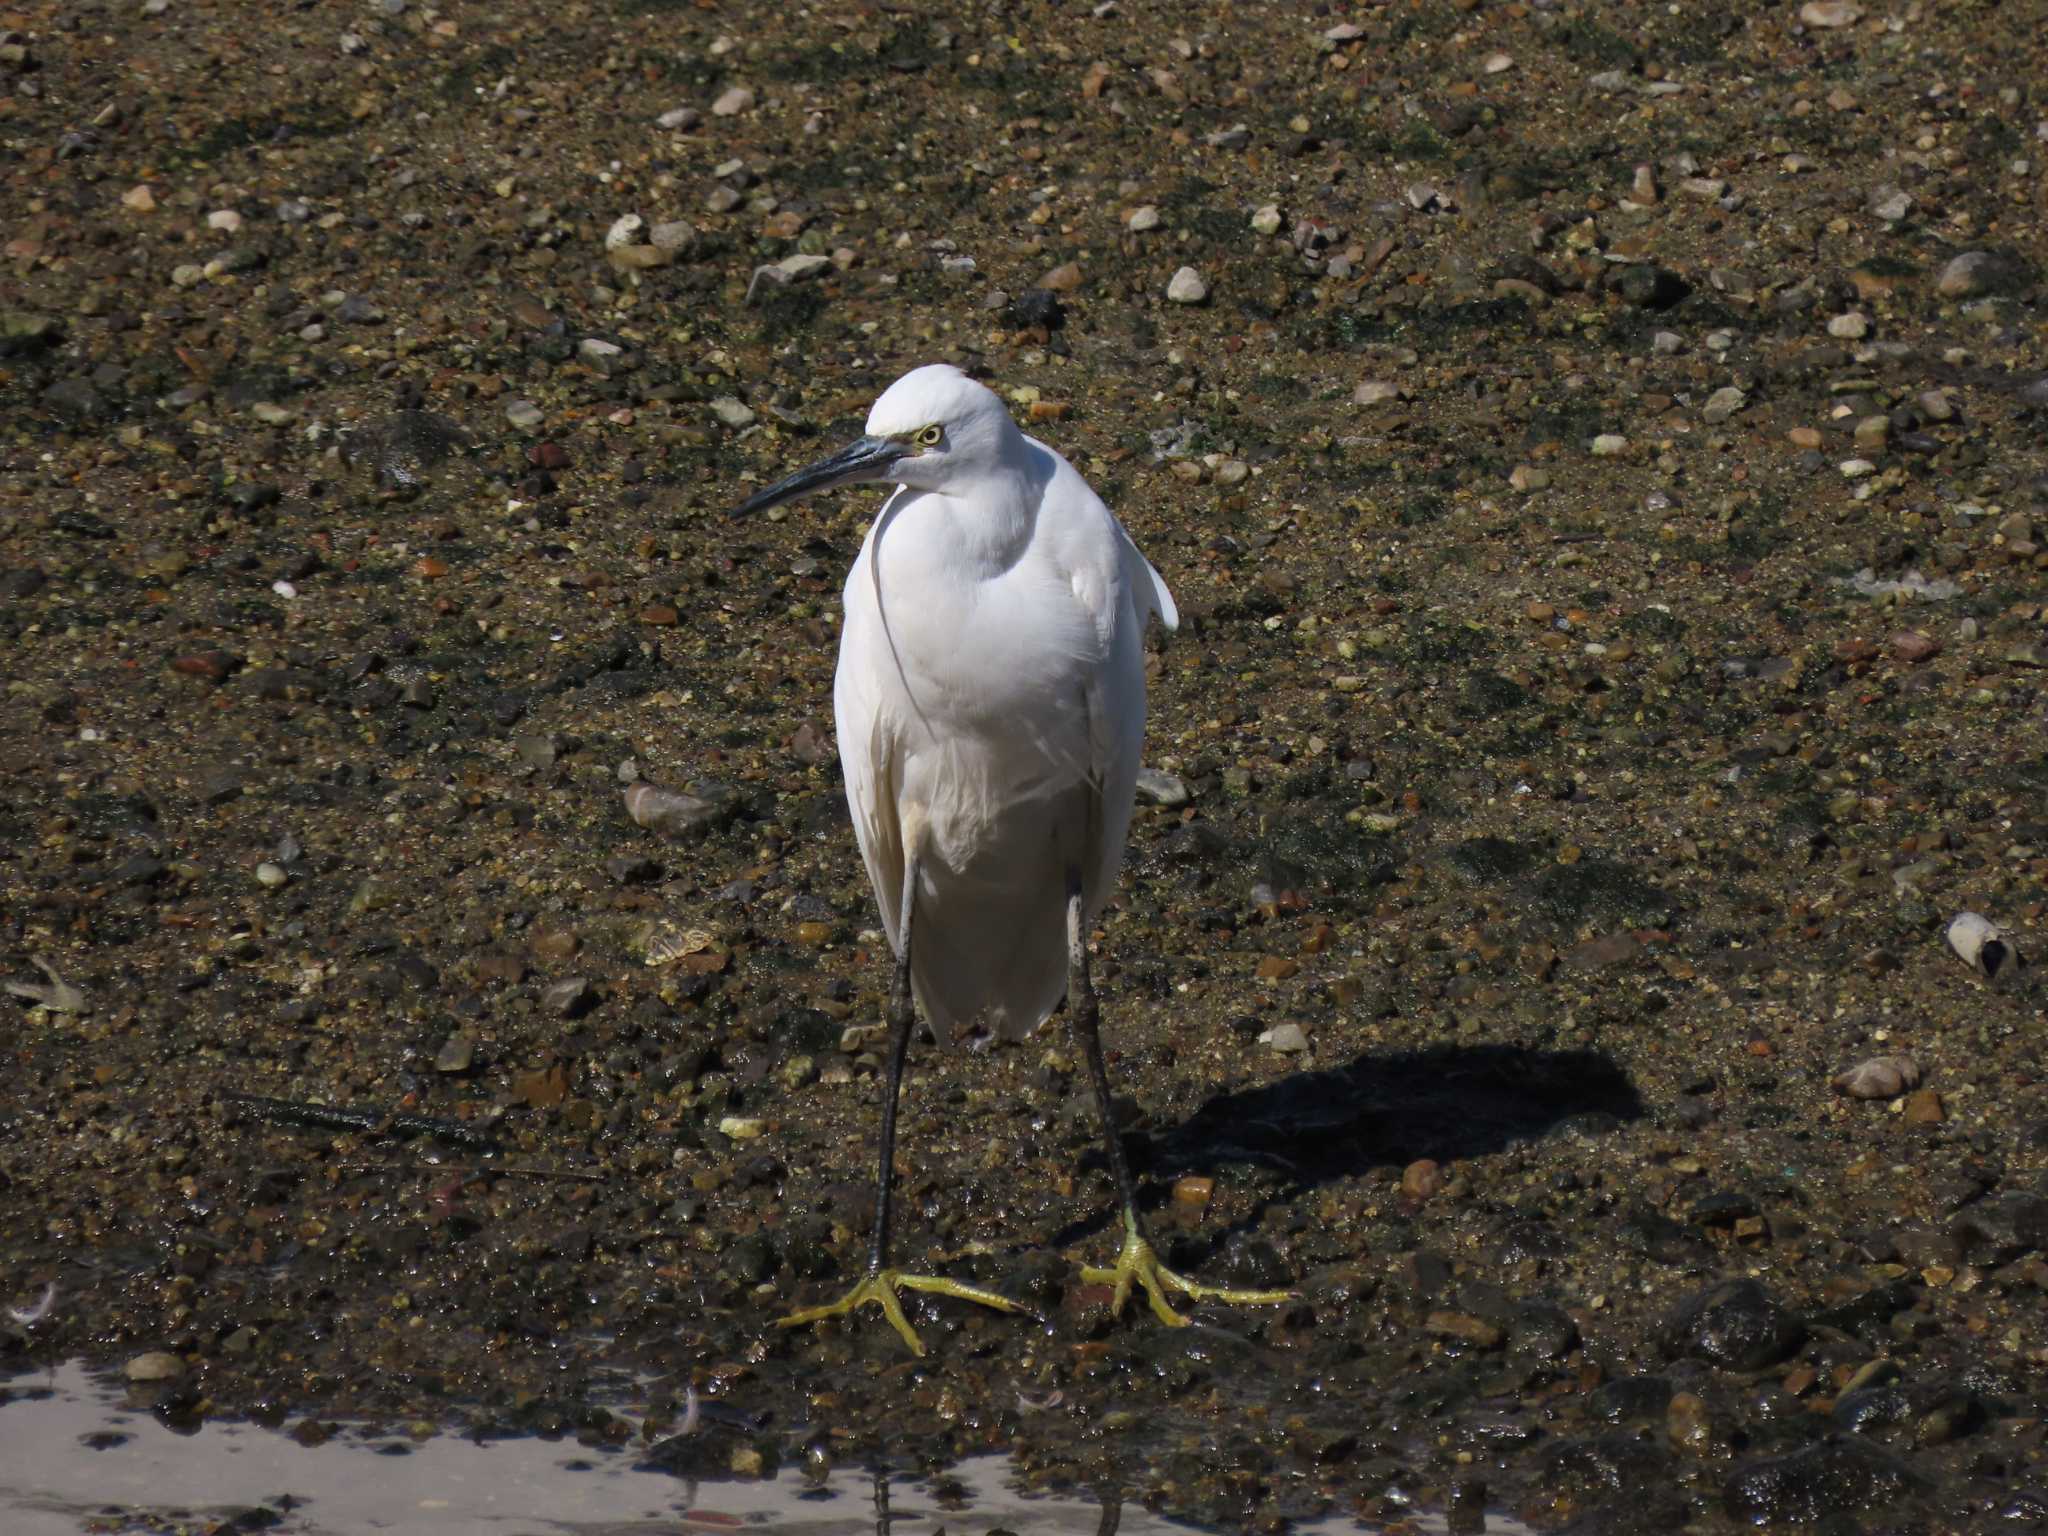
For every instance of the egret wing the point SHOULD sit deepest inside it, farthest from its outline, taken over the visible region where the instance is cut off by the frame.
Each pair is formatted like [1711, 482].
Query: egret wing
[868, 749]
[1115, 697]
[1147, 586]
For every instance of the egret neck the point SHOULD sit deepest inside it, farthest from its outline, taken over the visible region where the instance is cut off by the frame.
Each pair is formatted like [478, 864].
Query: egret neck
[980, 527]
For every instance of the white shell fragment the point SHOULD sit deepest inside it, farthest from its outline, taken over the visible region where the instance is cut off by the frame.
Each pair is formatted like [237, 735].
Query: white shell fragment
[670, 942]
[59, 996]
[1881, 1077]
[35, 1312]
[669, 811]
[1981, 944]
[791, 269]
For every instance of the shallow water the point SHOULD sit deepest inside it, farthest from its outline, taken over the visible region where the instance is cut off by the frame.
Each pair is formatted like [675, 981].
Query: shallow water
[76, 1455]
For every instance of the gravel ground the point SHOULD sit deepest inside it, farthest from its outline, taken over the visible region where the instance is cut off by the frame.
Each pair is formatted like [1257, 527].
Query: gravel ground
[1598, 452]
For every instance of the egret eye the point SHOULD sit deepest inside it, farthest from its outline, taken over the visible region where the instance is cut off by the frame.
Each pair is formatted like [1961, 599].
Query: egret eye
[929, 437]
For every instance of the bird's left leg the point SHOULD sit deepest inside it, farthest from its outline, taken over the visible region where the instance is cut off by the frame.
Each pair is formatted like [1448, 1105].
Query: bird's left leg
[1137, 1262]
[879, 1284]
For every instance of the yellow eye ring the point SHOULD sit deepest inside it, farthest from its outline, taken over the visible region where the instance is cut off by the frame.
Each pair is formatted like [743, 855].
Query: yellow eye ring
[928, 437]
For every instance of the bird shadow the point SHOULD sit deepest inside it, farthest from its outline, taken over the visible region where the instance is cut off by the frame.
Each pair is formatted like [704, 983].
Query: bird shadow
[1388, 1110]
[1447, 1103]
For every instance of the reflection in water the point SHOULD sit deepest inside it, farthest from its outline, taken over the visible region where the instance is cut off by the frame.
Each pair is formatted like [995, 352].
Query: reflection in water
[76, 1455]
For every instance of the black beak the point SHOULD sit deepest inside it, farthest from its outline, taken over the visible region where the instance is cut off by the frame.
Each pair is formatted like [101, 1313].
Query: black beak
[865, 458]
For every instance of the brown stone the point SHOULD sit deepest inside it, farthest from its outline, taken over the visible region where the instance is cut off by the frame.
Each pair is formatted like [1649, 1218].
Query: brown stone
[1465, 1328]
[1422, 1179]
[1912, 647]
[500, 965]
[543, 1089]
[1687, 1425]
[1610, 949]
[553, 943]
[1924, 1107]
[212, 665]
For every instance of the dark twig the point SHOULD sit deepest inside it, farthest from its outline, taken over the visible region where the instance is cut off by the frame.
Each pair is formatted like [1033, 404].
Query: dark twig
[333, 1117]
[478, 1171]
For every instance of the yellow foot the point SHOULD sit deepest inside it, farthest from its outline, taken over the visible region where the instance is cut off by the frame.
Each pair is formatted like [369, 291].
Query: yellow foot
[1139, 1263]
[880, 1288]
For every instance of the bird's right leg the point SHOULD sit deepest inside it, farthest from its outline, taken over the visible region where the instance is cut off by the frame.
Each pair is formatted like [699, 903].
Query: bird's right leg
[880, 1282]
[1137, 1262]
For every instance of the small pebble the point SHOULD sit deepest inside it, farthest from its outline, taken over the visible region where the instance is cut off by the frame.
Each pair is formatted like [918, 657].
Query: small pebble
[1828, 15]
[1288, 1039]
[1881, 1077]
[1975, 273]
[1162, 788]
[1464, 1328]
[156, 1365]
[1688, 1425]
[1187, 287]
[1924, 1107]
[1422, 1179]
[671, 812]
[567, 998]
[1722, 404]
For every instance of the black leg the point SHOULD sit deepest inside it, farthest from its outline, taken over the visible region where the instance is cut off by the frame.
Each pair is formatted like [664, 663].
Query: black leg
[1137, 1264]
[1086, 1017]
[902, 1014]
[881, 1283]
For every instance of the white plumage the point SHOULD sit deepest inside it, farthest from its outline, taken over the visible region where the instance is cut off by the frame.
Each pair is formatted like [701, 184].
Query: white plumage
[991, 710]
[991, 694]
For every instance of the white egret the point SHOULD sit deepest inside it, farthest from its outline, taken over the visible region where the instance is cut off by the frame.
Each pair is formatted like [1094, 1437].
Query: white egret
[990, 702]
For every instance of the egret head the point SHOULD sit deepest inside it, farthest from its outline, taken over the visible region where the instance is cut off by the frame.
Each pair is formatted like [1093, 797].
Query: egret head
[932, 429]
